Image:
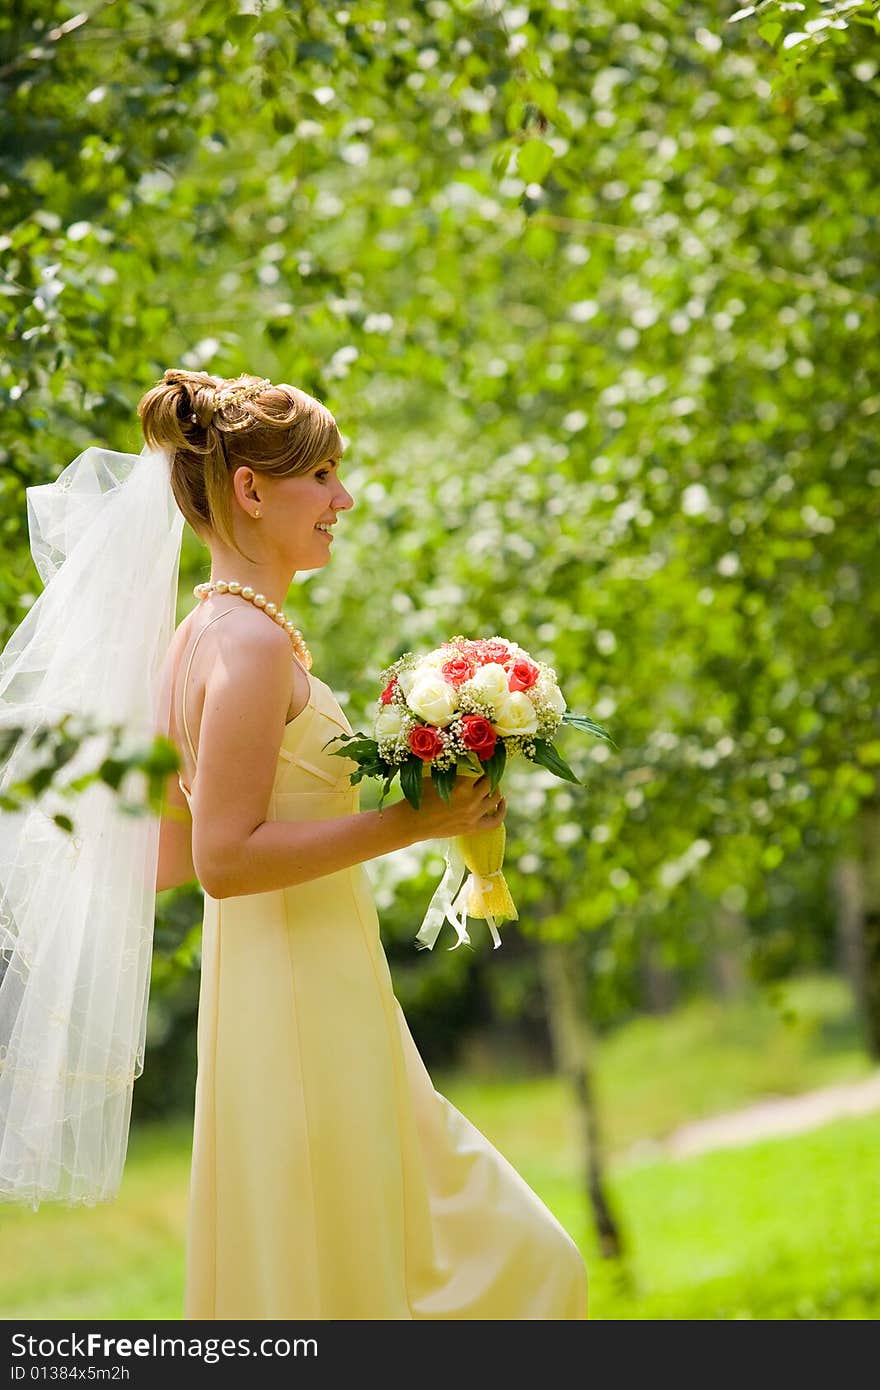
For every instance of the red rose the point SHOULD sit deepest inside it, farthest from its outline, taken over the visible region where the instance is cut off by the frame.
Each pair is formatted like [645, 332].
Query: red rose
[388, 693]
[494, 651]
[523, 674]
[456, 670]
[425, 742]
[478, 735]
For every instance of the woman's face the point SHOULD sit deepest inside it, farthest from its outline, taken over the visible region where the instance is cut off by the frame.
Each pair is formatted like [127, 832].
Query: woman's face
[291, 510]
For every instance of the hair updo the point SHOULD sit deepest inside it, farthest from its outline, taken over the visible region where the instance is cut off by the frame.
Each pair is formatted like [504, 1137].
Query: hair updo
[281, 432]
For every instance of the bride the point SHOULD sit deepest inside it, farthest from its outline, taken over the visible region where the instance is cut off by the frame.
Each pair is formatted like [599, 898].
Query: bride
[329, 1178]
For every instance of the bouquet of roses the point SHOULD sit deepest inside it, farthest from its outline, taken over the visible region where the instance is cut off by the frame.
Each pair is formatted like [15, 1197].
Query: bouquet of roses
[465, 708]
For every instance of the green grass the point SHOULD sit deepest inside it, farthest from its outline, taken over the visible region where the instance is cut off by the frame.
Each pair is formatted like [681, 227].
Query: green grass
[786, 1228]
[658, 1073]
[121, 1259]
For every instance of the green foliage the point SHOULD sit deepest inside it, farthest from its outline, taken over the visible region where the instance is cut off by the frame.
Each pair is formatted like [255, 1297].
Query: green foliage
[797, 32]
[595, 302]
[360, 748]
[53, 747]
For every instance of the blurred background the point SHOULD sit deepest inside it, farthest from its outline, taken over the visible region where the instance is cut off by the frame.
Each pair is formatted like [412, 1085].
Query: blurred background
[592, 292]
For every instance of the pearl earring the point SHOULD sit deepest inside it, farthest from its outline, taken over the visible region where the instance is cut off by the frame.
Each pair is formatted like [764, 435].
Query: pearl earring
[258, 513]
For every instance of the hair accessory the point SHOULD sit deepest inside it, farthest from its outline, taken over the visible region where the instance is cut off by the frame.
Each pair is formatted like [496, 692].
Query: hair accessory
[234, 395]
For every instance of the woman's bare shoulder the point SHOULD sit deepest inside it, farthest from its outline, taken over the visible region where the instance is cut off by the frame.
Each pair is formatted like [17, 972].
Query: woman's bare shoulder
[243, 646]
[240, 629]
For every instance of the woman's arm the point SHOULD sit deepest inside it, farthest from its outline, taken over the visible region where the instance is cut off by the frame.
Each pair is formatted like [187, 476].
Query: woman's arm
[235, 849]
[279, 854]
[175, 865]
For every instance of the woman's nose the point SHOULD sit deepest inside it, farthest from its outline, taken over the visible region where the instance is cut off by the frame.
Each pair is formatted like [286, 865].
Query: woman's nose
[348, 502]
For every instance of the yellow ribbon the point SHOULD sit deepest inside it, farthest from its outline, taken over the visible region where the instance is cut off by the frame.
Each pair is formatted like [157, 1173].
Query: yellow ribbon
[459, 893]
[484, 893]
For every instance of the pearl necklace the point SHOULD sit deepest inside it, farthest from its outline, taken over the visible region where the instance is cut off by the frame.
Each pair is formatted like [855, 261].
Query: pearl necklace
[232, 586]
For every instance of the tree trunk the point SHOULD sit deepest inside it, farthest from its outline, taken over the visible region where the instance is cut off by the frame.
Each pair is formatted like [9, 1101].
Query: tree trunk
[562, 977]
[727, 952]
[847, 889]
[869, 836]
[658, 982]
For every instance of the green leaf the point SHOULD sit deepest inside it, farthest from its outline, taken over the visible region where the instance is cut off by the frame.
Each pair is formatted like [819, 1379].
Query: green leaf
[444, 780]
[371, 769]
[112, 771]
[501, 159]
[357, 755]
[544, 94]
[387, 786]
[550, 757]
[587, 725]
[770, 32]
[356, 746]
[411, 780]
[533, 159]
[513, 116]
[495, 765]
[241, 26]
[347, 738]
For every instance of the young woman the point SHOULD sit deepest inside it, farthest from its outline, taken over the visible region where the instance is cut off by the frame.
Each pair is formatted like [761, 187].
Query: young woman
[329, 1179]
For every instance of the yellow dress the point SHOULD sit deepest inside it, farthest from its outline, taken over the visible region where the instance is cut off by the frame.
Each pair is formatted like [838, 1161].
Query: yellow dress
[329, 1178]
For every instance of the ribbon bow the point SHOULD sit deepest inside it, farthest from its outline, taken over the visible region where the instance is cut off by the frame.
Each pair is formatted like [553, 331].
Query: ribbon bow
[449, 903]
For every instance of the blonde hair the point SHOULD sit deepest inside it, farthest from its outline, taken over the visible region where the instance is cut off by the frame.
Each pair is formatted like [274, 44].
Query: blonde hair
[281, 432]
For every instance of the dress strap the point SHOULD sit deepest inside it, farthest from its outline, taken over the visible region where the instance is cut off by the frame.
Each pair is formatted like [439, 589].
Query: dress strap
[186, 677]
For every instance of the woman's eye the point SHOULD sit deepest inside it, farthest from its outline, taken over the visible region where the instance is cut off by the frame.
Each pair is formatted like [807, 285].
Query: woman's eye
[323, 474]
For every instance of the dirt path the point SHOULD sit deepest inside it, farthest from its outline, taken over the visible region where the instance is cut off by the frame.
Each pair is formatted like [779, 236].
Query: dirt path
[769, 1118]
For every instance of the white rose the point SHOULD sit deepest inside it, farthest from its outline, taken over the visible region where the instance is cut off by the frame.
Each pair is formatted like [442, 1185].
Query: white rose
[432, 699]
[435, 659]
[490, 682]
[405, 680]
[516, 715]
[388, 722]
[555, 698]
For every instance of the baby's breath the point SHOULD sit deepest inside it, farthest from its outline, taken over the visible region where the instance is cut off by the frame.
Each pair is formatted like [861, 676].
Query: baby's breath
[471, 702]
[407, 659]
[453, 749]
[392, 751]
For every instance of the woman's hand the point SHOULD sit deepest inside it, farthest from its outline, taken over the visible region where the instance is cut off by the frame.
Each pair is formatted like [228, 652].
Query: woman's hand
[471, 807]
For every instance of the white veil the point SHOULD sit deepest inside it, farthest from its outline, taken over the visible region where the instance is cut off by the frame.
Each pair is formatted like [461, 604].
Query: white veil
[77, 911]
